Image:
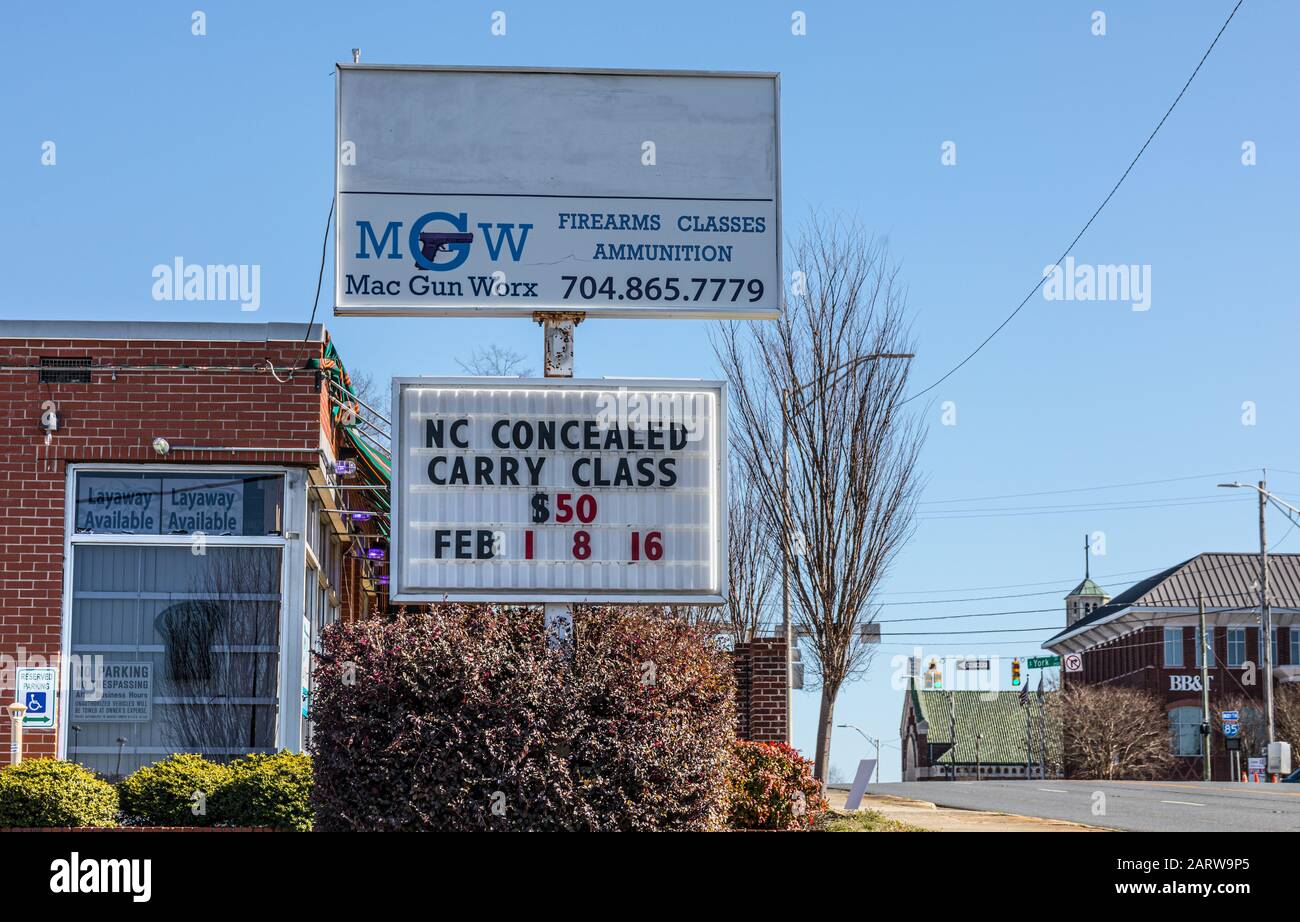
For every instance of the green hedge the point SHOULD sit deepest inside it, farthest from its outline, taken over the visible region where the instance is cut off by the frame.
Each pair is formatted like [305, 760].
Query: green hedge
[48, 792]
[164, 794]
[266, 790]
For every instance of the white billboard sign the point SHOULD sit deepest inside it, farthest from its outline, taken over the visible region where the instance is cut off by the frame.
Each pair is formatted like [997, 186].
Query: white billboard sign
[558, 490]
[500, 192]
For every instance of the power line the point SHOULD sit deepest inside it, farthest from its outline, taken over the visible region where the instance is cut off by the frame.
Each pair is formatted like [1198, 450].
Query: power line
[1133, 506]
[1003, 630]
[1109, 486]
[1105, 201]
[320, 277]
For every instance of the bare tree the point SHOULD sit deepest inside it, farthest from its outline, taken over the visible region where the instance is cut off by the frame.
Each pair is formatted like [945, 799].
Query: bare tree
[1286, 712]
[752, 567]
[1252, 728]
[495, 360]
[1107, 732]
[853, 448]
[373, 407]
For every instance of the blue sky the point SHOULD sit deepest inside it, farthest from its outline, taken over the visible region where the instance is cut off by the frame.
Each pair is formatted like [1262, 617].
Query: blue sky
[217, 148]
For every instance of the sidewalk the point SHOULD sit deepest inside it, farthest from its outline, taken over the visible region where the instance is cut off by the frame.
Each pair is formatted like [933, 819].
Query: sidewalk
[928, 816]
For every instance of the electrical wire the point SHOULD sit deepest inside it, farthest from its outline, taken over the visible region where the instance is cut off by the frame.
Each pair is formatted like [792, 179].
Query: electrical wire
[1087, 225]
[1109, 486]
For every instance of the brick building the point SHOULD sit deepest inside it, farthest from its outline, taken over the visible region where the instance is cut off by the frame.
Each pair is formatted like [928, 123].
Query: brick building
[762, 698]
[173, 540]
[1148, 637]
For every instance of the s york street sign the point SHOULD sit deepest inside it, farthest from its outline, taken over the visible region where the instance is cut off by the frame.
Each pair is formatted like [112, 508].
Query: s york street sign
[558, 490]
[503, 191]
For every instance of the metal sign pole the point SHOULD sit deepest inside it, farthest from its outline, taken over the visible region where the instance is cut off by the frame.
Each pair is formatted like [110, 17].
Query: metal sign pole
[557, 362]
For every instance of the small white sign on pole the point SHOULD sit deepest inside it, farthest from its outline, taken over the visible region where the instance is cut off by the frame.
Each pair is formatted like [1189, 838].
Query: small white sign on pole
[37, 689]
[558, 490]
[865, 769]
[1073, 662]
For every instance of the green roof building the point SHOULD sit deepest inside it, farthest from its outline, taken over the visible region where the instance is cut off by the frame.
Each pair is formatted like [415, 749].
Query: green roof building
[990, 734]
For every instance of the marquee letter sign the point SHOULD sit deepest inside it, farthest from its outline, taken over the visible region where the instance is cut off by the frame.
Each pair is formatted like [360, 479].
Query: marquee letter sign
[558, 491]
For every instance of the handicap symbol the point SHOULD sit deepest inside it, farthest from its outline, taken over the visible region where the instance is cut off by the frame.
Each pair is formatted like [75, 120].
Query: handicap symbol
[36, 702]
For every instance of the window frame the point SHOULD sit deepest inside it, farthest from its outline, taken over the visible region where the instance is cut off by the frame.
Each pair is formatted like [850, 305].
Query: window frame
[1175, 731]
[292, 563]
[1164, 653]
[1239, 633]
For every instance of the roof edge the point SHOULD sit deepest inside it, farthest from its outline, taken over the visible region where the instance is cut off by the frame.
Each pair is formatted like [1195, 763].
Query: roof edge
[172, 330]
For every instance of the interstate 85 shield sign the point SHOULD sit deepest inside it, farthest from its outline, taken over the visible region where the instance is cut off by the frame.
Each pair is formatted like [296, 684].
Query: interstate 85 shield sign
[499, 192]
[559, 490]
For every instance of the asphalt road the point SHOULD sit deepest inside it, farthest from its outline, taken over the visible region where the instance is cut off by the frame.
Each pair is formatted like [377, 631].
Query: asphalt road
[1151, 806]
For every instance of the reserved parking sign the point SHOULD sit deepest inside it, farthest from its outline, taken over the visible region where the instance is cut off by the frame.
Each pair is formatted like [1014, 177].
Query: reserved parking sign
[37, 690]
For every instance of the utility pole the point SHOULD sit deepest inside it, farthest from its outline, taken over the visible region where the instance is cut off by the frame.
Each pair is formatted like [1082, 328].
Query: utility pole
[1205, 688]
[952, 727]
[1029, 747]
[1266, 615]
[1042, 729]
[787, 629]
[979, 738]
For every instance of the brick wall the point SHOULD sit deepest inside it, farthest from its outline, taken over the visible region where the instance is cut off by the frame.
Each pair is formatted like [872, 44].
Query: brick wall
[115, 418]
[761, 696]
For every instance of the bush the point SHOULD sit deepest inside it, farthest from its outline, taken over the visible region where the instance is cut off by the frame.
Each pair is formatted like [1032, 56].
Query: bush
[772, 787]
[48, 792]
[162, 794]
[466, 719]
[265, 790]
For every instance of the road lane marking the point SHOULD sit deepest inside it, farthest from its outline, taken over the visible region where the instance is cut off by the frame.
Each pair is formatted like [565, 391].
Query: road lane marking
[1182, 803]
[1055, 790]
[1235, 788]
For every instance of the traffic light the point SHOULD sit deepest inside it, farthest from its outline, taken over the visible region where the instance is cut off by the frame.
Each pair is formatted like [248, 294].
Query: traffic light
[1015, 672]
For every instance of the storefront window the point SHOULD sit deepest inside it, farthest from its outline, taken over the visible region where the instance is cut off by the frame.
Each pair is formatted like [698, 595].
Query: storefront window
[184, 649]
[1185, 730]
[147, 503]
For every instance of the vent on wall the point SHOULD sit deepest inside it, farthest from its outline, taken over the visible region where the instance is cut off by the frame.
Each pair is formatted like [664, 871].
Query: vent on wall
[65, 371]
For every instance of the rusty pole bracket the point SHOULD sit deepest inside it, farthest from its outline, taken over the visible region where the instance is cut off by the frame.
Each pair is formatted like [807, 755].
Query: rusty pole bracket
[557, 341]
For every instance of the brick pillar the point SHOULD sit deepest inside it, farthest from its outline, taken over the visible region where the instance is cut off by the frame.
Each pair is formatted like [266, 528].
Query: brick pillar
[761, 698]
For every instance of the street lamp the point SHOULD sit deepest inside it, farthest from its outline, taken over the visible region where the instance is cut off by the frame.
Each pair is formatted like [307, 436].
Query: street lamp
[1265, 613]
[786, 413]
[869, 739]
